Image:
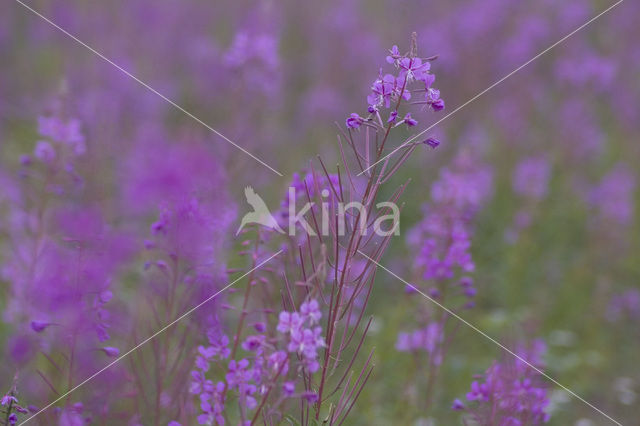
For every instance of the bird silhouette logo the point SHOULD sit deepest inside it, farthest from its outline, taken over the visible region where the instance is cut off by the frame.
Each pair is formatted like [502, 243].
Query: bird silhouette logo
[260, 214]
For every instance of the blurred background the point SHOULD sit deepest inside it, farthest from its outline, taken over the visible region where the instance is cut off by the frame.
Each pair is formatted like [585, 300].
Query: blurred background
[556, 238]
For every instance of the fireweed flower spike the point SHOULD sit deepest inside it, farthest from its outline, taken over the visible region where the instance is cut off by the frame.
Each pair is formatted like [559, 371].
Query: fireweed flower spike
[509, 393]
[442, 241]
[296, 344]
[9, 407]
[61, 269]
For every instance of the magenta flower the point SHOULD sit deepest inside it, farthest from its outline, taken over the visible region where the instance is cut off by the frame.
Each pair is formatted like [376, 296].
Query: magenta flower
[413, 69]
[510, 391]
[110, 351]
[39, 326]
[8, 399]
[44, 152]
[432, 142]
[253, 343]
[410, 122]
[354, 121]
[289, 322]
[382, 90]
[288, 388]
[457, 405]
[394, 55]
[479, 391]
[311, 311]
[531, 177]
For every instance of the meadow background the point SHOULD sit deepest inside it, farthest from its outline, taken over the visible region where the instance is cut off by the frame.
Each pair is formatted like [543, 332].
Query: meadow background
[556, 240]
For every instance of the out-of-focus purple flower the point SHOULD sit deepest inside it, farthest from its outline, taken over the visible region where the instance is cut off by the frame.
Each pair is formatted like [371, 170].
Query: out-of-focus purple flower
[311, 311]
[457, 405]
[8, 399]
[110, 351]
[432, 142]
[288, 388]
[626, 303]
[613, 197]
[304, 339]
[310, 396]
[426, 339]
[253, 343]
[44, 152]
[531, 177]
[278, 361]
[510, 392]
[212, 404]
[479, 391]
[71, 416]
[63, 132]
[253, 57]
[39, 326]
[260, 327]
[25, 160]
[288, 322]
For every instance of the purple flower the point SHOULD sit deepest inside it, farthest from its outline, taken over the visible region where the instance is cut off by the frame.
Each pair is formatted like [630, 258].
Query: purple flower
[8, 399]
[288, 388]
[311, 311]
[394, 55]
[382, 90]
[276, 360]
[531, 177]
[432, 96]
[289, 322]
[59, 130]
[425, 339]
[410, 122]
[510, 391]
[71, 417]
[44, 152]
[457, 405]
[354, 121]
[253, 343]
[39, 326]
[479, 391]
[413, 69]
[310, 396]
[613, 197]
[260, 327]
[432, 142]
[110, 351]
[303, 339]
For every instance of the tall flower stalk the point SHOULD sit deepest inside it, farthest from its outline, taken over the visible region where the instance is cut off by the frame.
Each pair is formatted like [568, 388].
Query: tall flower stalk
[302, 324]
